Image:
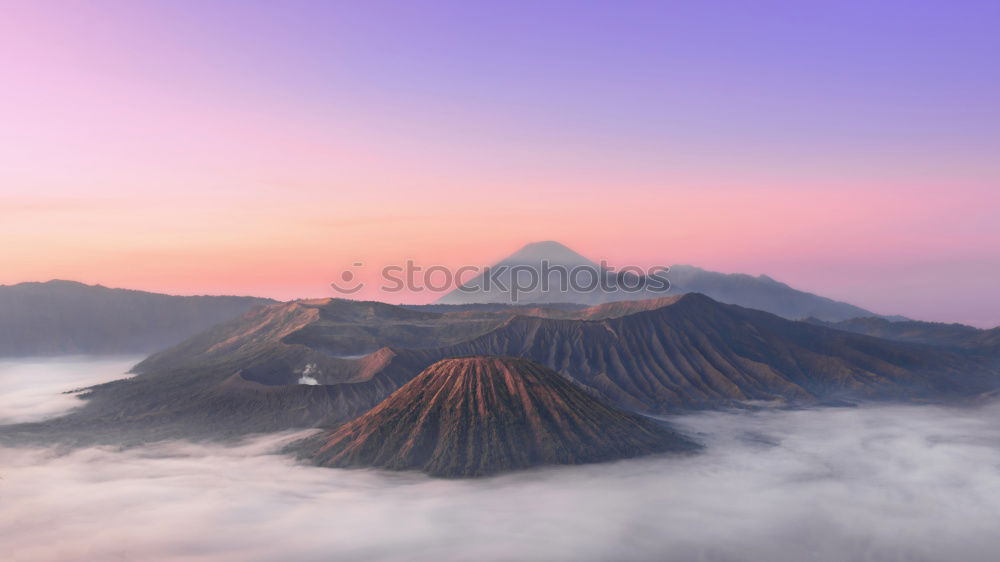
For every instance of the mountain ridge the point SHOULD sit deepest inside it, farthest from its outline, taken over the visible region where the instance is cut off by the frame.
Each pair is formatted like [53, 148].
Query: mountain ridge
[761, 292]
[690, 353]
[62, 317]
[696, 352]
[941, 334]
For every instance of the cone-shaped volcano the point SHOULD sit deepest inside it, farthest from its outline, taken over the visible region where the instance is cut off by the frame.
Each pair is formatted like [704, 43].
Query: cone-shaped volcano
[476, 416]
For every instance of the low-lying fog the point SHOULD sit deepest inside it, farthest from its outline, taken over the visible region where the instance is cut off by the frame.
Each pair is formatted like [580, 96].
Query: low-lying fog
[873, 483]
[34, 389]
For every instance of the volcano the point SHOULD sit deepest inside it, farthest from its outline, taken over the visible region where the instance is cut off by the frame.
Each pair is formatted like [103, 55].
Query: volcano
[476, 416]
[520, 268]
[654, 357]
[529, 263]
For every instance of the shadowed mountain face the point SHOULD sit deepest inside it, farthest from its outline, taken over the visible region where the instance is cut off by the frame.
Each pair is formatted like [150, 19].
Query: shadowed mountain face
[65, 317]
[761, 293]
[259, 374]
[477, 416]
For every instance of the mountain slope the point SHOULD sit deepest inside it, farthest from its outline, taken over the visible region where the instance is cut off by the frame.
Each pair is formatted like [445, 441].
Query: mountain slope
[518, 279]
[762, 292]
[251, 375]
[327, 327]
[274, 368]
[65, 317]
[700, 353]
[477, 416]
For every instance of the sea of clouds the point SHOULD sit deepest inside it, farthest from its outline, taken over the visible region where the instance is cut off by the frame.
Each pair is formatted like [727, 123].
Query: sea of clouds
[885, 483]
[33, 389]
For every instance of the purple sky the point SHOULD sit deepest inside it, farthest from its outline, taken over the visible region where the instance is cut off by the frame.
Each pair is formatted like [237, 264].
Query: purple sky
[847, 148]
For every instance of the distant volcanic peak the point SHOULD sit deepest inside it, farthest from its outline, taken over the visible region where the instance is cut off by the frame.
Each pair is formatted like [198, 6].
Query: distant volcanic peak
[550, 251]
[547, 245]
[475, 416]
[525, 268]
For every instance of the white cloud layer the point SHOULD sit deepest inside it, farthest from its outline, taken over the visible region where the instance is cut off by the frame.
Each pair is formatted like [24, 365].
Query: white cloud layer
[33, 389]
[877, 483]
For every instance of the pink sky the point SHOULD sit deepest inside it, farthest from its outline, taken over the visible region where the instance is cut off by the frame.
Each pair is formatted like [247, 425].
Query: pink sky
[170, 151]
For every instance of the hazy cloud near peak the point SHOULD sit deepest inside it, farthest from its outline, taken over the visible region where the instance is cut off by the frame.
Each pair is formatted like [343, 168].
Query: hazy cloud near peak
[874, 483]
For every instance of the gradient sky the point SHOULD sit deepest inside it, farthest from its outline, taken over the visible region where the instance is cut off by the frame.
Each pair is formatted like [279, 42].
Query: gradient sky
[847, 148]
